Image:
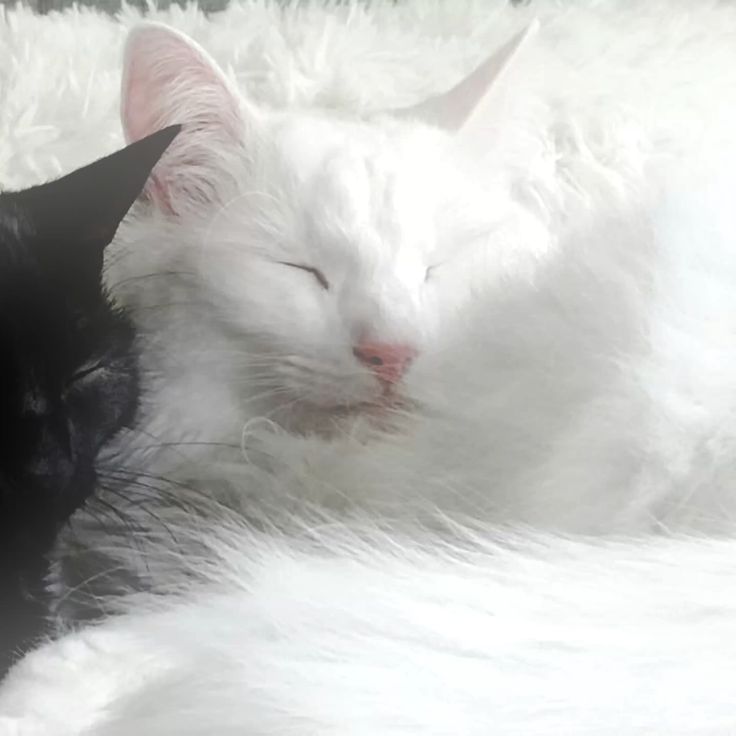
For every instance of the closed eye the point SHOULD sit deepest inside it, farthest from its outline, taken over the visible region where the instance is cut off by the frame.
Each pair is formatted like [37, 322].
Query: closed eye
[430, 270]
[321, 280]
[86, 371]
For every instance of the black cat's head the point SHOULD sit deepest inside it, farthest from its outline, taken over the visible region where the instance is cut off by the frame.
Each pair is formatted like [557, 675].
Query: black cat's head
[67, 363]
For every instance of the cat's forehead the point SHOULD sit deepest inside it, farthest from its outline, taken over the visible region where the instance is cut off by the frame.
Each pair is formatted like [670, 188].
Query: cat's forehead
[32, 290]
[358, 182]
[350, 156]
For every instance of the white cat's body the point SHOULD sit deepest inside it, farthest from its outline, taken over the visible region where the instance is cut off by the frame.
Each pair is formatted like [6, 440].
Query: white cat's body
[387, 635]
[577, 372]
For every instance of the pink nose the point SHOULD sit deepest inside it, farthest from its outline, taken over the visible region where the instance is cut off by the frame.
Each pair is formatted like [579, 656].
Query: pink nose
[387, 361]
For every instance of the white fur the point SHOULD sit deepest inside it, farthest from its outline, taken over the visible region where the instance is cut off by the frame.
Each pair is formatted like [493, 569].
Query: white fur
[589, 123]
[531, 256]
[588, 385]
[348, 632]
[390, 214]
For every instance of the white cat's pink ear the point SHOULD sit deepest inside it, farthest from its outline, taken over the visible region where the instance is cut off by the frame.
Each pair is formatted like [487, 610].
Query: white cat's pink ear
[469, 102]
[168, 79]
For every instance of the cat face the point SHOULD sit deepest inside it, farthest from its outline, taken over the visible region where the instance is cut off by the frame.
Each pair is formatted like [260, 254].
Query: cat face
[67, 365]
[334, 270]
[68, 378]
[334, 248]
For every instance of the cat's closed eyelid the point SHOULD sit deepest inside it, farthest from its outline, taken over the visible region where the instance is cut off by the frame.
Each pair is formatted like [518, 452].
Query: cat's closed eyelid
[86, 371]
[318, 275]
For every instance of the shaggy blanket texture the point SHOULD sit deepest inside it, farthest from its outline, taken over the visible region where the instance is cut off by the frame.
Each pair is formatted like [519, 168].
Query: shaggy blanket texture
[60, 73]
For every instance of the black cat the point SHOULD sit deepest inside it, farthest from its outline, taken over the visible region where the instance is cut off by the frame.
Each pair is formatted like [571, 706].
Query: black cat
[68, 378]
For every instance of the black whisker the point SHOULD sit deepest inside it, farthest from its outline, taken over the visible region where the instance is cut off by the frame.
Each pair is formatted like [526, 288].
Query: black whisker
[131, 279]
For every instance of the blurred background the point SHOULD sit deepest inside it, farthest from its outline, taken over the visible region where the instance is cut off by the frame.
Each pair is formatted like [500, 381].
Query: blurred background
[111, 6]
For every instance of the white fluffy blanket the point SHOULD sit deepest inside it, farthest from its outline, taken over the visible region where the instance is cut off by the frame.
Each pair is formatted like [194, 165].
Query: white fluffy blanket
[60, 73]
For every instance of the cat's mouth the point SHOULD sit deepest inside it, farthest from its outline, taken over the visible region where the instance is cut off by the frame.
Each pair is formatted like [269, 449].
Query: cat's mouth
[383, 412]
[330, 418]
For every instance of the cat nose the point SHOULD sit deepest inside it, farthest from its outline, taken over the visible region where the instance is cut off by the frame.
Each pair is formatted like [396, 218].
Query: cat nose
[388, 361]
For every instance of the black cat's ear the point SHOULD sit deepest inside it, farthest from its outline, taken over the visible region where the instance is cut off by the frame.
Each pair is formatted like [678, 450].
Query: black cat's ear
[83, 210]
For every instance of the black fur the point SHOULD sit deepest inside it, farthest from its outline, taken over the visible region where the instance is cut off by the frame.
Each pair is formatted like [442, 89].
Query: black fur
[68, 378]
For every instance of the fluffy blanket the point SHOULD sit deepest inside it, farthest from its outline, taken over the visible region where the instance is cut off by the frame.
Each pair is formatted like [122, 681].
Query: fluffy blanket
[60, 73]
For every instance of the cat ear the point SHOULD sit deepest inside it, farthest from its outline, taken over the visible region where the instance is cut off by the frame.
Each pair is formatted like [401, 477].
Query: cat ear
[87, 205]
[76, 216]
[464, 106]
[167, 78]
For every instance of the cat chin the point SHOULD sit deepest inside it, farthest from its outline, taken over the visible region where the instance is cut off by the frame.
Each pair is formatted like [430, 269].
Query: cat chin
[383, 413]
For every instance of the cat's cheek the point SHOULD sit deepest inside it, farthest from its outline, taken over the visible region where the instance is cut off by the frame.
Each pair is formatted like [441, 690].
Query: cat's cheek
[434, 307]
[99, 407]
[297, 310]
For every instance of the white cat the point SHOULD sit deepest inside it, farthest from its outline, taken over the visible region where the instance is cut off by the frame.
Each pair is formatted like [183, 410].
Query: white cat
[486, 273]
[307, 263]
[318, 255]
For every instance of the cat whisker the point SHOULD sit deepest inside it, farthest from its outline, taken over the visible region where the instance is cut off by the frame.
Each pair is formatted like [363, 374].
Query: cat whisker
[135, 498]
[131, 527]
[145, 509]
[144, 277]
[166, 305]
[72, 591]
[161, 491]
[161, 443]
[126, 483]
[116, 512]
[122, 472]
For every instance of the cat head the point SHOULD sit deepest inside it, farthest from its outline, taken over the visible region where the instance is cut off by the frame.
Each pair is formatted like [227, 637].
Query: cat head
[334, 246]
[67, 364]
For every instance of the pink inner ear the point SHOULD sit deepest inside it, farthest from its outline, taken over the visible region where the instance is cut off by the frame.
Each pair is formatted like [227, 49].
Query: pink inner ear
[168, 80]
[168, 77]
[139, 117]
